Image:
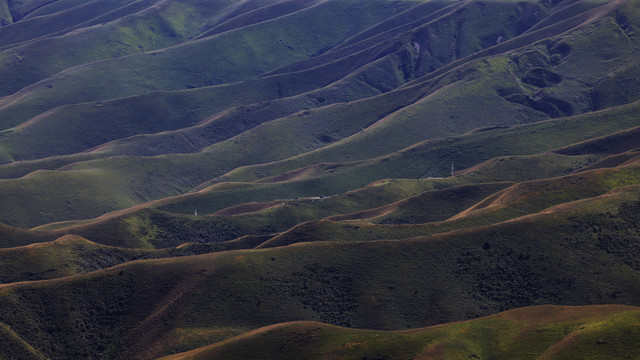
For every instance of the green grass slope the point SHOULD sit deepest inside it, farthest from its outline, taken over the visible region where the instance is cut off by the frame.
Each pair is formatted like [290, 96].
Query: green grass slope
[141, 228]
[615, 160]
[144, 227]
[152, 229]
[60, 17]
[316, 141]
[544, 332]
[250, 16]
[107, 30]
[434, 158]
[5, 14]
[403, 59]
[529, 167]
[532, 196]
[171, 110]
[149, 228]
[23, 7]
[134, 28]
[93, 124]
[518, 79]
[427, 207]
[17, 139]
[581, 253]
[137, 183]
[11, 236]
[64, 21]
[242, 54]
[518, 200]
[54, 7]
[66, 256]
[72, 255]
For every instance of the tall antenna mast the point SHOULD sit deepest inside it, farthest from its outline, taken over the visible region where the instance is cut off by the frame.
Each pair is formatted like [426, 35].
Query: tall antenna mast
[451, 169]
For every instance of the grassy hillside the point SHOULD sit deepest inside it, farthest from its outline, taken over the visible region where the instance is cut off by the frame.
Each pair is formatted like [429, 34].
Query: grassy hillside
[211, 108]
[240, 55]
[66, 20]
[147, 228]
[148, 27]
[402, 63]
[434, 158]
[97, 121]
[267, 178]
[144, 228]
[66, 256]
[143, 309]
[12, 236]
[427, 207]
[71, 255]
[548, 332]
[518, 200]
[541, 80]
[139, 179]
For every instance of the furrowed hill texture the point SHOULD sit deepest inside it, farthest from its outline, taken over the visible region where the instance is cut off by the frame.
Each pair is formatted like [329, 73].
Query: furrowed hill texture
[221, 179]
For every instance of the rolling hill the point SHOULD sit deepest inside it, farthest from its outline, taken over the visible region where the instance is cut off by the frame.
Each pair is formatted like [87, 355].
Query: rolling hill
[344, 179]
[542, 332]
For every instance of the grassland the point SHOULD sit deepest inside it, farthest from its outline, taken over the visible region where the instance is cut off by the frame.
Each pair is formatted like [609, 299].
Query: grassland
[240, 55]
[459, 178]
[549, 332]
[519, 200]
[382, 76]
[138, 179]
[577, 254]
